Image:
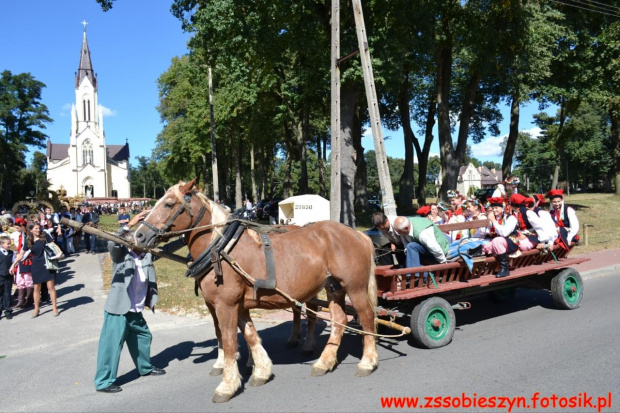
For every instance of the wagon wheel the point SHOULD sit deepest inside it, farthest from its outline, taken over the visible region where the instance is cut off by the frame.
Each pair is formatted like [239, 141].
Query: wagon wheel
[503, 295]
[433, 323]
[567, 289]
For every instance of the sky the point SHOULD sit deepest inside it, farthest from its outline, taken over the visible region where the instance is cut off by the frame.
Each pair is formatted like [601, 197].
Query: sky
[131, 46]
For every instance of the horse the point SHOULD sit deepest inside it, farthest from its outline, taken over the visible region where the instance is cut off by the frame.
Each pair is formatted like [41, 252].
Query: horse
[322, 254]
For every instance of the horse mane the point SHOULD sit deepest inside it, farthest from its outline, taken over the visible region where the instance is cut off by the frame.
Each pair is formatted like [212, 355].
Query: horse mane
[218, 214]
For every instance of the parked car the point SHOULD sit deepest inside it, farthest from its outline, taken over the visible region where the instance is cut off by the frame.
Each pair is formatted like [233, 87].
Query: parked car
[260, 209]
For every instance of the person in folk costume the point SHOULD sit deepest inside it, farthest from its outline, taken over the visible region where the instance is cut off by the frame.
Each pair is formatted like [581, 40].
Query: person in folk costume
[23, 276]
[564, 217]
[504, 232]
[475, 212]
[512, 183]
[536, 224]
[456, 216]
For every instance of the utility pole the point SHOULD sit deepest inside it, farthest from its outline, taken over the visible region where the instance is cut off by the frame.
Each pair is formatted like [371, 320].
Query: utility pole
[214, 172]
[389, 206]
[335, 197]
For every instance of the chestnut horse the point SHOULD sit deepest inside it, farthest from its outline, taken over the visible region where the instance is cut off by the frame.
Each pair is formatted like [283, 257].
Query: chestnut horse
[322, 254]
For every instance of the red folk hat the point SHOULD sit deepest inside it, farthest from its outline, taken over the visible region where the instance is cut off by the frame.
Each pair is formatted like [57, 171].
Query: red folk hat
[517, 200]
[496, 201]
[529, 202]
[424, 210]
[555, 193]
[20, 221]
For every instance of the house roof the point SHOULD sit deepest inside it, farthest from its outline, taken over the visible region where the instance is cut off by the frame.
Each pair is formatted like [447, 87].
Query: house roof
[57, 151]
[490, 177]
[118, 152]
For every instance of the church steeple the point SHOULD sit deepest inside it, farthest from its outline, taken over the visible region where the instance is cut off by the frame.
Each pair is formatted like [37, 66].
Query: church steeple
[85, 69]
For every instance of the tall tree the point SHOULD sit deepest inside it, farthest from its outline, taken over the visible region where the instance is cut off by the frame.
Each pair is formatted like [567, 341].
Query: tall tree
[22, 118]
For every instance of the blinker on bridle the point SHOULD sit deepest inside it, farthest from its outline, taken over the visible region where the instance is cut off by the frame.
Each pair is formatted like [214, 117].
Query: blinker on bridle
[160, 232]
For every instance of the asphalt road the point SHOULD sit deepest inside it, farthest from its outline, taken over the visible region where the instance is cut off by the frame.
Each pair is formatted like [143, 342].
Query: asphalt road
[510, 350]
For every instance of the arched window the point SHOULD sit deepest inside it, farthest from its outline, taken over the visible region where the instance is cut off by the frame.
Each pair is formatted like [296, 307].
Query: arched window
[87, 153]
[88, 104]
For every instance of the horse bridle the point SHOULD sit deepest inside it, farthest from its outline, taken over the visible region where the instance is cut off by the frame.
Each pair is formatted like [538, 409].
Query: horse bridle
[161, 232]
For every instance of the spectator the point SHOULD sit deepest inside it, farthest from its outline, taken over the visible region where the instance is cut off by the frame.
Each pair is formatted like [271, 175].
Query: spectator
[123, 217]
[91, 218]
[40, 274]
[6, 278]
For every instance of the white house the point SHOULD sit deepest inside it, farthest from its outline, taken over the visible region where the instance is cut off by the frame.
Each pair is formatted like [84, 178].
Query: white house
[479, 178]
[86, 165]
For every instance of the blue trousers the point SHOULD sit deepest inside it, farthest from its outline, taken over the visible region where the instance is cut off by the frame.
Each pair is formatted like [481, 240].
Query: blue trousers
[416, 251]
[90, 242]
[130, 328]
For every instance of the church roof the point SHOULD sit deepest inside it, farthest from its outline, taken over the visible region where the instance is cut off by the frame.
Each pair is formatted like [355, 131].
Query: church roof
[85, 69]
[118, 152]
[57, 151]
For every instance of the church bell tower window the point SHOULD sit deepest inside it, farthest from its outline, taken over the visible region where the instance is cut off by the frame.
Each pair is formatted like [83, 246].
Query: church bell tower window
[87, 153]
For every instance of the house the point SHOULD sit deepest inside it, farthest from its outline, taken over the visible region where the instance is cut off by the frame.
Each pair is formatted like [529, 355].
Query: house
[478, 178]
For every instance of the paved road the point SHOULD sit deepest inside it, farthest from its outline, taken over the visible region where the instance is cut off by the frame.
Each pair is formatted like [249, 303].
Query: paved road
[511, 349]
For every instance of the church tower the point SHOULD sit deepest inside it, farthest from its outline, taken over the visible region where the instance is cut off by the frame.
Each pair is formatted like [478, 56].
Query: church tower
[87, 166]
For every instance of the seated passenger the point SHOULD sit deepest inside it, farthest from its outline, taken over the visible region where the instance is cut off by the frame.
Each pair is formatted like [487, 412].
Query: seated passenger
[505, 237]
[473, 212]
[540, 221]
[384, 224]
[427, 241]
[437, 215]
[564, 217]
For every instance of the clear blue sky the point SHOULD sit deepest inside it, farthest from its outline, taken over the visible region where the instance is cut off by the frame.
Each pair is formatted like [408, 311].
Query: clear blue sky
[131, 46]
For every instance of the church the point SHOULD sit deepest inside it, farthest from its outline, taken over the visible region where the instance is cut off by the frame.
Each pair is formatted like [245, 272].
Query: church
[86, 166]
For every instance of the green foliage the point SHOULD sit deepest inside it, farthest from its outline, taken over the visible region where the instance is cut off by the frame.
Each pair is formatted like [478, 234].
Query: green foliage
[22, 118]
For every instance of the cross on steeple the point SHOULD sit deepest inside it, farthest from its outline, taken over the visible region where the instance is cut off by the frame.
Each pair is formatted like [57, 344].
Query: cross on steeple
[84, 23]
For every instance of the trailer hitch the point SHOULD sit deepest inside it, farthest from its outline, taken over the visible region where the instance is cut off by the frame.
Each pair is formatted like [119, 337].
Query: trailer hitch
[465, 305]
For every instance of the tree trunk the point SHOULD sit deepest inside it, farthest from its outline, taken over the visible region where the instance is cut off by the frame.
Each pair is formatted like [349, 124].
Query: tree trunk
[320, 151]
[287, 186]
[558, 140]
[446, 147]
[238, 183]
[361, 174]
[513, 135]
[214, 169]
[614, 113]
[205, 175]
[424, 152]
[252, 174]
[302, 138]
[467, 111]
[348, 97]
[406, 183]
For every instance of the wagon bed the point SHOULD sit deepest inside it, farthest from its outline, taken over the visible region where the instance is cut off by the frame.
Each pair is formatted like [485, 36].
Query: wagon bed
[430, 303]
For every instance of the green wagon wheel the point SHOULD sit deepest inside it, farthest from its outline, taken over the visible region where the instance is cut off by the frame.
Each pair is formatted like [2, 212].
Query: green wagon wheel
[433, 323]
[567, 289]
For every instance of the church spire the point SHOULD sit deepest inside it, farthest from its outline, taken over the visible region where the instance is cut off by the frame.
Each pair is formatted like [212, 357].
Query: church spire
[85, 70]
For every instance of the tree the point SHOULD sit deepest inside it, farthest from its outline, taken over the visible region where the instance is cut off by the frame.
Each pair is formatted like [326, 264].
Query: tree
[22, 116]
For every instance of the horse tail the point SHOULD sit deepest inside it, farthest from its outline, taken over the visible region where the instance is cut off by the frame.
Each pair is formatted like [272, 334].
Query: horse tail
[372, 279]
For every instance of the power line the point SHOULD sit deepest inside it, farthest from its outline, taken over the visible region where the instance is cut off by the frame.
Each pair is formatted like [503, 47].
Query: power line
[587, 8]
[602, 5]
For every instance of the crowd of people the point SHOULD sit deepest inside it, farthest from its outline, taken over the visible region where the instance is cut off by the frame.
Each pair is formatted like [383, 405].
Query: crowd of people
[24, 239]
[516, 223]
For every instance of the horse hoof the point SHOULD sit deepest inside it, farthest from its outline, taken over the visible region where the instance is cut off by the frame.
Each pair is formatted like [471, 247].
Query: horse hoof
[221, 398]
[254, 382]
[363, 372]
[216, 371]
[248, 370]
[316, 372]
[291, 344]
[307, 352]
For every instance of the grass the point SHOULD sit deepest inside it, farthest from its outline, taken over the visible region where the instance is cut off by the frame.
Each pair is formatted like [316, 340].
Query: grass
[176, 292]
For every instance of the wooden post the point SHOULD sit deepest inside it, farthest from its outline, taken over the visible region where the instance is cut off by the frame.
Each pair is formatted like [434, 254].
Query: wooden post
[214, 172]
[389, 206]
[335, 198]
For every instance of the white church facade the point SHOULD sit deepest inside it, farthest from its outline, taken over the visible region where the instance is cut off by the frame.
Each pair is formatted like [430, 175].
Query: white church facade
[86, 166]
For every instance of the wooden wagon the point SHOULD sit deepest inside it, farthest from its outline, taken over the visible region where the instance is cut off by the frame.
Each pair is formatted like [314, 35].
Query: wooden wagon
[430, 303]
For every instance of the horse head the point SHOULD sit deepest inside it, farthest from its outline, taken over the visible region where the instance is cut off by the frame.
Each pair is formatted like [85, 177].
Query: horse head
[182, 207]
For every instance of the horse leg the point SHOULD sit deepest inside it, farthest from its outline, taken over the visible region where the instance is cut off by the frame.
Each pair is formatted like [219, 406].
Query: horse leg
[329, 356]
[293, 340]
[249, 366]
[366, 316]
[262, 363]
[218, 367]
[231, 380]
[310, 341]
